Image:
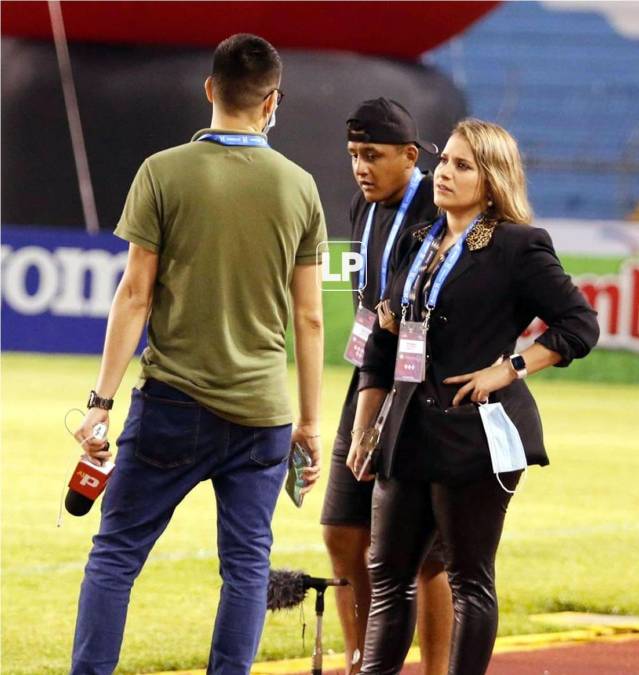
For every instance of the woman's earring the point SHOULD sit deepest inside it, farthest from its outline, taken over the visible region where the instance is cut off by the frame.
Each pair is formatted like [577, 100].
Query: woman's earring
[490, 203]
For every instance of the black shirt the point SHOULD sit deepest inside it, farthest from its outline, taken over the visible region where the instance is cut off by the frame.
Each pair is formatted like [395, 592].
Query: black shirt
[422, 210]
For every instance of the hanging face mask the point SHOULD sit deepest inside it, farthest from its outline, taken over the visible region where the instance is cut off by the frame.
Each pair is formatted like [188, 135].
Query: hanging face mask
[271, 121]
[506, 449]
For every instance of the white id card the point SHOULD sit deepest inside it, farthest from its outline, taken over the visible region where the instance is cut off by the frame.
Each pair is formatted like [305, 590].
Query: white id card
[410, 363]
[362, 328]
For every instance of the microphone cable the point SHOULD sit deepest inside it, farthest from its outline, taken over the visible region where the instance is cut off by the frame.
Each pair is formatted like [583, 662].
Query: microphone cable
[66, 477]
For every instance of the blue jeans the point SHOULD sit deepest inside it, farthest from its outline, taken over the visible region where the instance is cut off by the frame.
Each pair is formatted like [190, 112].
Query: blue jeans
[169, 444]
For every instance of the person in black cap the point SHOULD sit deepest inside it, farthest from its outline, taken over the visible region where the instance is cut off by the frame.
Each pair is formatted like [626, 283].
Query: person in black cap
[394, 196]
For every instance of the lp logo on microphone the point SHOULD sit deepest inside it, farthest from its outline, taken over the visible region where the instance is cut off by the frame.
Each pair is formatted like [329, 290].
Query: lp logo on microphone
[337, 262]
[89, 481]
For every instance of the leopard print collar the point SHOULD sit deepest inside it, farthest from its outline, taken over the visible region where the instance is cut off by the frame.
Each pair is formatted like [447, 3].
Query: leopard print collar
[479, 237]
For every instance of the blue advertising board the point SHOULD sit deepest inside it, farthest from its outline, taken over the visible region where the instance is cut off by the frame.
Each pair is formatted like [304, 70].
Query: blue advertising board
[57, 288]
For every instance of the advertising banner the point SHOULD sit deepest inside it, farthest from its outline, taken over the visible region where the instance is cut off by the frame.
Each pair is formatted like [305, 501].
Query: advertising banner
[57, 286]
[603, 258]
[616, 299]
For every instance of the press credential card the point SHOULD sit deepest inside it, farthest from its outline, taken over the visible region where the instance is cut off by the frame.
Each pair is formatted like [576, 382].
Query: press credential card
[362, 328]
[410, 363]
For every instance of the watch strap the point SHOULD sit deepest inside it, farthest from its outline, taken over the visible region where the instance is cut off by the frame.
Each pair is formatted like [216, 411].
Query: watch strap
[96, 401]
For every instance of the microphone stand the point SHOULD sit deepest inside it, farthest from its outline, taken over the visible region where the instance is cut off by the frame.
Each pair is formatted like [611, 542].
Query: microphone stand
[287, 588]
[317, 658]
[320, 586]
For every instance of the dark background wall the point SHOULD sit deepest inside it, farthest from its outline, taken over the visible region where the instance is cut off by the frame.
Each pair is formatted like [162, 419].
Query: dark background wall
[135, 101]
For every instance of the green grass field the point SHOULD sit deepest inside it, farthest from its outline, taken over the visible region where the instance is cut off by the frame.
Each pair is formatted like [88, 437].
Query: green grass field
[571, 538]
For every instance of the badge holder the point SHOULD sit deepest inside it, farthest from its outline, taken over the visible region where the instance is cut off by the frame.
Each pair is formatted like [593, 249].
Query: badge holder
[410, 362]
[362, 329]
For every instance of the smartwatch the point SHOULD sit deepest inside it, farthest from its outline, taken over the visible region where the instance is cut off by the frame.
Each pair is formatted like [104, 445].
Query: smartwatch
[96, 401]
[519, 365]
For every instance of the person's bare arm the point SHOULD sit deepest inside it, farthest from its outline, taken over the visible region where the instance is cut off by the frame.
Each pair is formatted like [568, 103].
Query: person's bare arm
[308, 325]
[127, 318]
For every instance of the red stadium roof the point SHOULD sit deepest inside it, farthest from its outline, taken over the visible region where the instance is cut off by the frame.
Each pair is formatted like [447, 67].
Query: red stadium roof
[397, 29]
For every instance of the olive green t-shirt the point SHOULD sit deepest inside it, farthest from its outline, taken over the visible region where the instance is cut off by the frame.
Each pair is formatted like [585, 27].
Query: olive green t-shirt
[229, 224]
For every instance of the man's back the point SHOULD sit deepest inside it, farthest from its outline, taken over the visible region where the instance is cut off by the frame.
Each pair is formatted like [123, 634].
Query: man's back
[220, 229]
[229, 224]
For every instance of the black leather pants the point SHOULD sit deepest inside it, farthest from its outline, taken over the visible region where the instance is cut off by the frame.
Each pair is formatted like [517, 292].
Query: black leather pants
[406, 515]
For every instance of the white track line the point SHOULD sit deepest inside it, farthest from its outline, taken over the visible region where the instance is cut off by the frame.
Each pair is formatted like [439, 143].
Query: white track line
[296, 549]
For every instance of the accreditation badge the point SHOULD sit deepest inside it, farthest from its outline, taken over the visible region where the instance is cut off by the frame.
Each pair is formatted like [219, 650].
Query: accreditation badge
[410, 362]
[362, 328]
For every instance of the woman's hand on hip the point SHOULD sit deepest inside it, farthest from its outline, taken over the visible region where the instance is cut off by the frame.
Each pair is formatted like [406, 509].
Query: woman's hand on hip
[481, 383]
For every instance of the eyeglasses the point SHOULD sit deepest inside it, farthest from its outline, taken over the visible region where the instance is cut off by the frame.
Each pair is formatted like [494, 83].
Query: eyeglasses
[280, 95]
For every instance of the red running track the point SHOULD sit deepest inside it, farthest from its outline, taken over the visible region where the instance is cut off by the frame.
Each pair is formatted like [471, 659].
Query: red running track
[592, 658]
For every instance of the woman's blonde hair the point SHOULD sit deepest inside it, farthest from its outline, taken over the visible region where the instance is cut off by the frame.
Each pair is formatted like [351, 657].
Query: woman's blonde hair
[500, 166]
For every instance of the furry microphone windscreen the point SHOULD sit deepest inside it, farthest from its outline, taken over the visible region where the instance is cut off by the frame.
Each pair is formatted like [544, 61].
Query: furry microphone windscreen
[285, 589]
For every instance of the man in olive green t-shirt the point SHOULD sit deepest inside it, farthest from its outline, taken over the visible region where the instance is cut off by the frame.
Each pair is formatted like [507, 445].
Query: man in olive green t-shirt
[221, 231]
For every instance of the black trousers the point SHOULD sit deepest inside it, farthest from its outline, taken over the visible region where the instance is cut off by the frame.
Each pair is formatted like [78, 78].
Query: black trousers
[406, 515]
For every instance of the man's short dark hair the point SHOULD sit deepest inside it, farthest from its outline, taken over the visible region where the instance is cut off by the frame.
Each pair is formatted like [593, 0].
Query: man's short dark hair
[246, 68]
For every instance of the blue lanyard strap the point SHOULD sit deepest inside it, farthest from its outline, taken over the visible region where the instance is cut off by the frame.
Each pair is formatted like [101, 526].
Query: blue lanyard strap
[363, 249]
[416, 267]
[413, 185]
[415, 180]
[441, 276]
[249, 140]
[447, 267]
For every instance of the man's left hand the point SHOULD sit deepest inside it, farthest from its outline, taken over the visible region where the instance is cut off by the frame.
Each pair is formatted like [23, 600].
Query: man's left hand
[308, 437]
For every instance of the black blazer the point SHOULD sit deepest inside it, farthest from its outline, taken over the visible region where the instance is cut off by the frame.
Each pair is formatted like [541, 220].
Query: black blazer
[506, 276]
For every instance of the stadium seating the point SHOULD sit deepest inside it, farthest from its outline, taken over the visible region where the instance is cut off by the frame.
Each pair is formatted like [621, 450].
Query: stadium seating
[571, 97]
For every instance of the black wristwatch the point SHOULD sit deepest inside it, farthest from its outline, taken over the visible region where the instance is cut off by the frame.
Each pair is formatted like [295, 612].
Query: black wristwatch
[519, 365]
[96, 401]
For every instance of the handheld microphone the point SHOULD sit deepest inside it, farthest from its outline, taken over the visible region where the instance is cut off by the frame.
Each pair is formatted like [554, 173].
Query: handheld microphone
[88, 480]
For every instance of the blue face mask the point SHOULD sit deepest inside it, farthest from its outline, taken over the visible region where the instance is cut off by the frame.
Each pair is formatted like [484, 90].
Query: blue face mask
[506, 449]
[271, 122]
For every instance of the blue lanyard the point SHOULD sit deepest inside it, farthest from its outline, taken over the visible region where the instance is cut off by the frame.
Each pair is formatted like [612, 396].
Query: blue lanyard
[444, 271]
[250, 140]
[413, 185]
[419, 259]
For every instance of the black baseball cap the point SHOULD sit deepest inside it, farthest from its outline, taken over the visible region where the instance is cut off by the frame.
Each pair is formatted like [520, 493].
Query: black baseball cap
[383, 120]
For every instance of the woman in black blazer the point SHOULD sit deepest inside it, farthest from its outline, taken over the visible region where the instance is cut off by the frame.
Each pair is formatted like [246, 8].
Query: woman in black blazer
[434, 467]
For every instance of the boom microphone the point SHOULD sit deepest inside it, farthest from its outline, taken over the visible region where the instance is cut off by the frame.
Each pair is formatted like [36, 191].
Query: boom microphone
[88, 480]
[287, 588]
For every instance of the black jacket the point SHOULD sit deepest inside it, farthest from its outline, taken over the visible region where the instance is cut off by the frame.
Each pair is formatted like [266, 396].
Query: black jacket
[506, 276]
